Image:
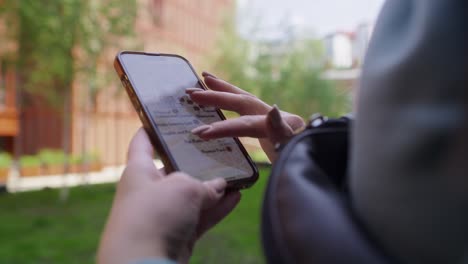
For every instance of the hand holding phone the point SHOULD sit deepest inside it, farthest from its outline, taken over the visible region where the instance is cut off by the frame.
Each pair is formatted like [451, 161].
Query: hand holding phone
[156, 85]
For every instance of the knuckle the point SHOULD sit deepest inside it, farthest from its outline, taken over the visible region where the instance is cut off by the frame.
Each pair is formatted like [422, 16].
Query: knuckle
[187, 185]
[211, 193]
[248, 123]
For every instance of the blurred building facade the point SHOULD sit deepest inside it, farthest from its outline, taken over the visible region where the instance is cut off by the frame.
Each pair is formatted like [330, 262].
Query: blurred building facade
[345, 49]
[105, 126]
[339, 49]
[345, 53]
[8, 112]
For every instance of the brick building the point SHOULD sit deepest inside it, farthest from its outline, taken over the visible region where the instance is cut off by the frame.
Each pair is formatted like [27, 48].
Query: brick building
[186, 27]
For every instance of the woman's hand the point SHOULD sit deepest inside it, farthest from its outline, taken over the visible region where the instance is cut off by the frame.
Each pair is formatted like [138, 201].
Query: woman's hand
[158, 216]
[258, 119]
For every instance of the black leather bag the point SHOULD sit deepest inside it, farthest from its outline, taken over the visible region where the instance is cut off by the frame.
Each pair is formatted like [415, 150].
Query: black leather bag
[306, 214]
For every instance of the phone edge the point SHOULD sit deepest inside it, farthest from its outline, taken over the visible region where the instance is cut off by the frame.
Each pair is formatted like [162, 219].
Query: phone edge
[161, 148]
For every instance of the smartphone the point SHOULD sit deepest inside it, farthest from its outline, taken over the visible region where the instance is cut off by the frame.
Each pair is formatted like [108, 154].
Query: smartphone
[156, 86]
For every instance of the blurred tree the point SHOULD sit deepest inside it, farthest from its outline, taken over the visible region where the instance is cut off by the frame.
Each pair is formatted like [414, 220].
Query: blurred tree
[231, 57]
[283, 72]
[290, 75]
[61, 42]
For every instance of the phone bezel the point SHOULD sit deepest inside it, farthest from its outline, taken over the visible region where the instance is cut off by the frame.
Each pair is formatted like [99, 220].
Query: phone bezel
[152, 129]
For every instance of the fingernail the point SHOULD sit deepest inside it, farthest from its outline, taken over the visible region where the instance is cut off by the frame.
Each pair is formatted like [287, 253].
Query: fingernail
[275, 117]
[200, 129]
[206, 74]
[192, 90]
[219, 184]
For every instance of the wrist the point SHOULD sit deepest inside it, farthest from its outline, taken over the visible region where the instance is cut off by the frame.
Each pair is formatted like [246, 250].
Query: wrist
[120, 244]
[117, 250]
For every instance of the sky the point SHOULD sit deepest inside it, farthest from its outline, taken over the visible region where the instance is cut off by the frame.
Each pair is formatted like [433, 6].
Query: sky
[321, 16]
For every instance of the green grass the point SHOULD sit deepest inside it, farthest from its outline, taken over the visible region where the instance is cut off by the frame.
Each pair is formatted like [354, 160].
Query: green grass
[237, 238]
[36, 228]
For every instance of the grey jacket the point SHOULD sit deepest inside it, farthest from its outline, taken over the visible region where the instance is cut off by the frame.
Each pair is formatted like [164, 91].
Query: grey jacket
[409, 171]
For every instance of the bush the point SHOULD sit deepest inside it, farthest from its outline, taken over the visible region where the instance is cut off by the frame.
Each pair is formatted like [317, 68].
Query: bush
[52, 156]
[5, 160]
[30, 161]
[91, 157]
[75, 160]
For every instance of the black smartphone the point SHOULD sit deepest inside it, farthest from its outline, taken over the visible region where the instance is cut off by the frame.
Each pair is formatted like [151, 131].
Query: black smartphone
[156, 86]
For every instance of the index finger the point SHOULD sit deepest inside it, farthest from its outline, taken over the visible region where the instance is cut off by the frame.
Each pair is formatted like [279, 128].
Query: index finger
[239, 103]
[217, 84]
[244, 126]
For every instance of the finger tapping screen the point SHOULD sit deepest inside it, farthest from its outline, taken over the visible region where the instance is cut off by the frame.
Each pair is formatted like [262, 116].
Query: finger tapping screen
[160, 82]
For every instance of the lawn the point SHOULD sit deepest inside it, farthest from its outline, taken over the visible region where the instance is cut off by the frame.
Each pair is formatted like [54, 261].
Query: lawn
[36, 228]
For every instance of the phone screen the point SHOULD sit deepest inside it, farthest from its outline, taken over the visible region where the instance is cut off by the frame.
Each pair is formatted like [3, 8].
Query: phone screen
[160, 83]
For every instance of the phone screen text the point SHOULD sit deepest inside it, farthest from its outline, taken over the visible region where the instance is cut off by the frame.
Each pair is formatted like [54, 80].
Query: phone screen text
[160, 82]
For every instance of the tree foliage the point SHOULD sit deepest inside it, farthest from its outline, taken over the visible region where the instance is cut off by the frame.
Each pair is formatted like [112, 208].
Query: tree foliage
[61, 39]
[62, 42]
[283, 72]
[231, 56]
